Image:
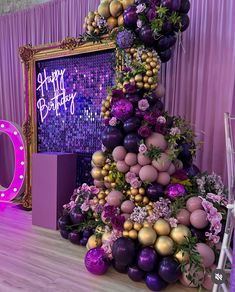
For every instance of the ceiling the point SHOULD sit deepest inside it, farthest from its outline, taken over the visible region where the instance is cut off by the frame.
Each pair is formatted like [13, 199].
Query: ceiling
[8, 6]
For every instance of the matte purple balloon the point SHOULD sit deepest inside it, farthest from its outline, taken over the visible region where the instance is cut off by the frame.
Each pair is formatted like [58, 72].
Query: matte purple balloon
[155, 282]
[64, 221]
[147, 259]
[122, 109]
[175, 191]
[131, 125]
[131, 143]
[111, 137]
[64, 233]
[130, 17]
[135, 274]
[146, 35]
[96, 261]
[76, 216]
[74, 237]
[192, 170]
[119, 267]
[154, 192]
[169, 270]
[124, 251]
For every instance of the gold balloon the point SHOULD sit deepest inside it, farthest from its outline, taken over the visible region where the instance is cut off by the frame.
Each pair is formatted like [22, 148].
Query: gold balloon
[128, 225]
[115, 8]
[182, 258]
[120, 20]
[112, 22]
[179, 233]
[164, 245]
[137, 226]
[162, 227]
[133, 234]
[96, 173]
[103, 9]
[147, 236]
[93, 242]
[127, 3]
[106, 236]
[125, 233]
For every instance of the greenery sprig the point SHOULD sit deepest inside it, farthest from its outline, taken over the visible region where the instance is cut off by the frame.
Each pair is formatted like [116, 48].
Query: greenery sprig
[154, 152]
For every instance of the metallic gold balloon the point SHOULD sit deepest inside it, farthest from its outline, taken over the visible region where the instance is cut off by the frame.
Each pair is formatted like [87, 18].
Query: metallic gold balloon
[112, 22]
[120, 20]
[134, 192]
[133, 234]
[125, 233]
[115, 8]
[182, 258]
[164, 245]
[127, 3]
[179, 233]
[162, 227]
[128, 225]
[141, 191]
[103, 9]
[99, 158]
[138, 198]
[96, 173]
[93, 242]
[137, 226]
[147, 236]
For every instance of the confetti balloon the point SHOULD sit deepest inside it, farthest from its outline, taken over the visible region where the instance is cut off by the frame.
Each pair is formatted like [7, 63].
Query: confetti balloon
[96, 261]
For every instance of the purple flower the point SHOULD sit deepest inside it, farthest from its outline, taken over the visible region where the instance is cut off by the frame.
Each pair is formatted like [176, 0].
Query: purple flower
[140, 8]
[110, 211]
[125, 39]
[161, 120]
[142, 148]
[130, 176]
[116, 95]
[106, 122]
[138, 215]
[175, 131]
[94, 190]
[181, 174]
[85, 188]
[150, 118]
[144, 131]
[130, 88]
[117, 222]
[135, 183]
[126, 69]
[139, 23]
[151, 14]
[160, 128]
[173, 222]
[143, 104]
[85, 206]
[113, 122]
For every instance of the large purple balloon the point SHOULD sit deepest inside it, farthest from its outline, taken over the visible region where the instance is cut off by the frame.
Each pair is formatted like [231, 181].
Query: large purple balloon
[155, 282]
[122, 109]
[74, 237]
[146, 35]
[76, 216]
[163, 44]
[131, 125]
[119, 267]
[64, 233]
[147, 259]
[154, 192]
[165, 55]
[64, 221]
[124, 251]
[173, 5]
[192, 170]
[96, 261]
[169, 270]
[131, 143]
[130, 17]
[185, 6]
[135, 274]
[111, 137]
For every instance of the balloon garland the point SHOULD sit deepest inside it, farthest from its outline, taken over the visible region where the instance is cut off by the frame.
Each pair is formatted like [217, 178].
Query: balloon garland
[151, 213]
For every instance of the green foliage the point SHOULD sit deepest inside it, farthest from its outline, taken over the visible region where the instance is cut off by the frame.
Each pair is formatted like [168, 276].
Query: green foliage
[154, 152]
[118, 177]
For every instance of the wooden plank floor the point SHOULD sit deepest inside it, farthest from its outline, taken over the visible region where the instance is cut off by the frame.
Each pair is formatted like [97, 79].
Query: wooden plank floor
[34, 259]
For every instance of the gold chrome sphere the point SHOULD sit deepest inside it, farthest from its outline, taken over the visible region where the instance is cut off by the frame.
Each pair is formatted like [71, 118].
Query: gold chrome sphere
[162, 227]
[128, 225]
[137, 226]
[115, 8]
[99, 158]
[125, 233]
[133, 234]
[112, 22]
[93, 242]
[164, 245]
[182, 257]
[103, 9]
[147, 236]
[96, 173]
[141, 191]
[179, 233]
[127, 3]
[120, 20]
[134, 192]
[106, 236]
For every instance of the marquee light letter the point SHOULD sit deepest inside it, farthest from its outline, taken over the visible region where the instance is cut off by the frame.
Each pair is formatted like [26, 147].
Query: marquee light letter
[17, 182]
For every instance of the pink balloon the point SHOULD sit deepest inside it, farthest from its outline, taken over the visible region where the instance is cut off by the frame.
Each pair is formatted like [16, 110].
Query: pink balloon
[163, 178]
[206, 253]
[198, 219]
[131, 159]
[160, 91]
[208, 283]
[135, 169]
[122, 166]
[199, 276]
[119, 153]
[98, 183]
[143, 159]
[193, 204]
[171, 169]
[148, 173]
[162, 163]
[127, 206]
[183, 217]
[156, 140]
[115, 198]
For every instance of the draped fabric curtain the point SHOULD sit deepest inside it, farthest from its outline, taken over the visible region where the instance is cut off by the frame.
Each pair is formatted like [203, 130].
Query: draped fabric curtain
[199, 79]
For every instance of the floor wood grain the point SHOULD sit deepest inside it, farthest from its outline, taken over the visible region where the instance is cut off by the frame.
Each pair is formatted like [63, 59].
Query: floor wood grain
[34, 259]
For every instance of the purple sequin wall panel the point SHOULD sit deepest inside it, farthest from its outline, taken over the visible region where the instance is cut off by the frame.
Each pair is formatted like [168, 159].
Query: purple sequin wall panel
[69, 92]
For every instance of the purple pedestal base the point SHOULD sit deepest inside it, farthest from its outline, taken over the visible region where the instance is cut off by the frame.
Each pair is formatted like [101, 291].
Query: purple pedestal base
[53, 182]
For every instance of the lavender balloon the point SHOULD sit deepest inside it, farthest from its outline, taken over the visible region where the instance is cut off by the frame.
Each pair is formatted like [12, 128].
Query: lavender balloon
[174, 191]
[96, 261]
[122, 109]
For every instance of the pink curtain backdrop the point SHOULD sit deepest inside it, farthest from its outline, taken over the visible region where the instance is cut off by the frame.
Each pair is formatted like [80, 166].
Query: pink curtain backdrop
[199, 80]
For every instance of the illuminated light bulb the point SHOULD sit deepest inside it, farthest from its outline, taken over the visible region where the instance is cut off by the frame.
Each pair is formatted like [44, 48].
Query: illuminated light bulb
[21, 147]
[15, 190]
[2, 195]
[2, 125]
[15, 133]
[21, 176]
[22, 163]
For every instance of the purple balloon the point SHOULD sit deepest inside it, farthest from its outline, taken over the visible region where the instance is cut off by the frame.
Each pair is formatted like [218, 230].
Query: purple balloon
[147, 259]
[64, 221]
[131, 143]
[163, 44]
[87, 233]
[64, 233]
[130, 17]
[96, 261]
[84, 241]
[175, 191]
[119, 267]
[155, 282]
[74, 237]
[169, 270]
[167, 28]
[76, 216]
[146, 35]
[111, 137]
[173, 5]
[131, 125]
[199, 233]
[165, 55]
[135, 274]
[185, 6]
[192, 170]
[124, 251]
[184, 22]
[154, 192]
[122, 109]
[133, 98]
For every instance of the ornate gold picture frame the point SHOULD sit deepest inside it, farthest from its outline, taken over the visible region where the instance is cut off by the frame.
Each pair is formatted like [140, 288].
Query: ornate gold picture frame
[29, 56]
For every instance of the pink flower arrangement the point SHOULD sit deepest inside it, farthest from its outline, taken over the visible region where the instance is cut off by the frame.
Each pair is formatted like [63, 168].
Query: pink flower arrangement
[161, 120]
[135, 183]
[130, 176]
[143, 148]
[175, 131]
[143, 104]
[113, 122]
[140, 8]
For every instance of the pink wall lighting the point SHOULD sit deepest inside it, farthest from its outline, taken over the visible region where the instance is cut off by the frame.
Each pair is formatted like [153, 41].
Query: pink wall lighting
[17, 183]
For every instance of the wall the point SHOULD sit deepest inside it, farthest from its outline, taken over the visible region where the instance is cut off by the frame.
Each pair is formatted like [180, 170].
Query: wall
[7, 6]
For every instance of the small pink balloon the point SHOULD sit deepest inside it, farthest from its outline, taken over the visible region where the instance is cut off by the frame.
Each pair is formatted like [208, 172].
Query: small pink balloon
[127, 216]
[135, 169]
[171, 169]
[131, 159]
[157, 140]
[208, 283]
[143, 159]
[148, 173]
[162, 163]
[183, 217]
[115, 198]
[198, 219]
[194, 203]
[198, 278]
[119, 153]
[160, 91]
[122, 166]
[163, 178]
[178, 164]
[206, 253]
[98, 183]
[127, 207]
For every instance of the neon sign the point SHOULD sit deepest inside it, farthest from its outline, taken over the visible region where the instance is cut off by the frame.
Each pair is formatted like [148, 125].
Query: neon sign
[17, 182]
[60, 99]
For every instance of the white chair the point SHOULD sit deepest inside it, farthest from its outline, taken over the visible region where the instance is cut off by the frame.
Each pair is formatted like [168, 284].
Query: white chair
[226, 254]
